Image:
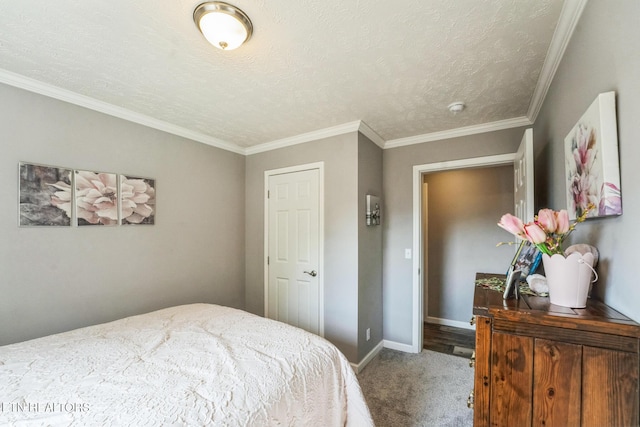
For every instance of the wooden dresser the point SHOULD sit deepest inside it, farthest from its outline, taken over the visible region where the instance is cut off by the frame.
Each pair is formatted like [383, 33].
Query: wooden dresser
[538, 364]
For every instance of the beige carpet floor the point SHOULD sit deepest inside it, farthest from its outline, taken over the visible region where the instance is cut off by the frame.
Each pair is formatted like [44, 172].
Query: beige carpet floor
[425, 389]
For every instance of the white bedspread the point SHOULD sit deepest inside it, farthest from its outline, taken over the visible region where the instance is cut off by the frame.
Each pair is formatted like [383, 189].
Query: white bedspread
[190, 365]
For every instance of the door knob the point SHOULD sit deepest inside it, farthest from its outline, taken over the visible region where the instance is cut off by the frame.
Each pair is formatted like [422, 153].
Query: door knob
[311, 273]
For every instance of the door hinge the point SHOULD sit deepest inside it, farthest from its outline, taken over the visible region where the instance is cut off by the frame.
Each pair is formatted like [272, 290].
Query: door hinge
[267, 260]
[268, 194]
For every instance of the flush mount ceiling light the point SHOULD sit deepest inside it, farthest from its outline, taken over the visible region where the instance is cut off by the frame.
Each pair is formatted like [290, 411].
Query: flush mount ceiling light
[223, 25]
[456, 107]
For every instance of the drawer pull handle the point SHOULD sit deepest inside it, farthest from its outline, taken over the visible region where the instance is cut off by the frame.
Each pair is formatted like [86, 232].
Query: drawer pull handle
[473, 320]
[470, 400]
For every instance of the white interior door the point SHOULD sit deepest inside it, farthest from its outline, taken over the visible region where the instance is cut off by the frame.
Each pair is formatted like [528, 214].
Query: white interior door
[293, 292]
[523, 178]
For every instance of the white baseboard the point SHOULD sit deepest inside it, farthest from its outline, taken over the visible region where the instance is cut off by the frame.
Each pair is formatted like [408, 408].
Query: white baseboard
[373, 353]
[407, 348]
[447, 322]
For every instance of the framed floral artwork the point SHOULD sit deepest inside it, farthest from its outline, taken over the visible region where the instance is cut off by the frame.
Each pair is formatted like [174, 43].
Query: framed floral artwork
[96, 195]
[591, 161]
[137, 200]
[45, 195]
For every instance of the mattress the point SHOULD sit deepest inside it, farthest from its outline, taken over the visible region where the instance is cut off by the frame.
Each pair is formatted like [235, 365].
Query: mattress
[197, 364]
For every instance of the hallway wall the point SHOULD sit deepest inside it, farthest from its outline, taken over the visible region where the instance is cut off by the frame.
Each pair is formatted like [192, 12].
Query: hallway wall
[463, 209]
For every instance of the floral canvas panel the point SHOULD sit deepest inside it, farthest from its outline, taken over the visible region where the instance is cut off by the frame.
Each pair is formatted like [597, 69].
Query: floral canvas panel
[591, 161]
[96, 198]
[45, 195]
[138, 200]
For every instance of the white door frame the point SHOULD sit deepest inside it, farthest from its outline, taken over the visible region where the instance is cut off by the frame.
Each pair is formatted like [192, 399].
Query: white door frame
[418, 171]
[299, 168]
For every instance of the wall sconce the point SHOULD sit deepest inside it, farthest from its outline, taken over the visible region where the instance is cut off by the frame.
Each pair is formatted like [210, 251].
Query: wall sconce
[372, 210]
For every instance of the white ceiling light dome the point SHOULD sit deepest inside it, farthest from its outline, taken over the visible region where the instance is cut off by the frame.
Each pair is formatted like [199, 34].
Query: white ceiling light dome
[456, 107]
[223, 25]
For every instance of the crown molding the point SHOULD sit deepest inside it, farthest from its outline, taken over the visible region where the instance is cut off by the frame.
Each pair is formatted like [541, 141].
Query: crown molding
[305, 137]
[455, 133]
[371, 134]
[356, 126]
[51, 91]
[569, 17]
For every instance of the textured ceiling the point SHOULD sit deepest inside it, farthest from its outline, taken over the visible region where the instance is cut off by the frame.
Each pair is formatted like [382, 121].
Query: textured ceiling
[310, 65]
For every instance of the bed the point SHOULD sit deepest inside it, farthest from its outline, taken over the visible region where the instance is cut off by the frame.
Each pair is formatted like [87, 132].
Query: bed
[197, 364]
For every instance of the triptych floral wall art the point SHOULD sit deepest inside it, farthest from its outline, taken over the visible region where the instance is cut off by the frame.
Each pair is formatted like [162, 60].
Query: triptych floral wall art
[58, 196]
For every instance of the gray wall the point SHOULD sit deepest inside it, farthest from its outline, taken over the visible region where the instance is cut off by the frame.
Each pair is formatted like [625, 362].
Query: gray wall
[369, 248]
[339, 154]
[398, 226]
[464, 207]
[57, 278]
[603, 55]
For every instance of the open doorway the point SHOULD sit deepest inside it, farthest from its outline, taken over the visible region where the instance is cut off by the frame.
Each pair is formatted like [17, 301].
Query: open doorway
[460, 236]
[418, 172]
[522, 162]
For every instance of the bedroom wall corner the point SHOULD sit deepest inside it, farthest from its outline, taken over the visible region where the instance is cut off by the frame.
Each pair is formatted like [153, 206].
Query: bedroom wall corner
[54, 279]
[369, 249]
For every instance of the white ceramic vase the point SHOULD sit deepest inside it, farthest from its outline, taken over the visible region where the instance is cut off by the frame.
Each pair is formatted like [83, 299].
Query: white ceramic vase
[568, 278]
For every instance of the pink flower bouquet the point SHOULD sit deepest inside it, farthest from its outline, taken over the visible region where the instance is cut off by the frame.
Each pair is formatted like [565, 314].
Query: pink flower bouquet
[547, 231]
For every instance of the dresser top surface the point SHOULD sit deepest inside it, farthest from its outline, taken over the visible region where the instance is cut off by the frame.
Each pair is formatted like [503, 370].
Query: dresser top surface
[596, 316]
